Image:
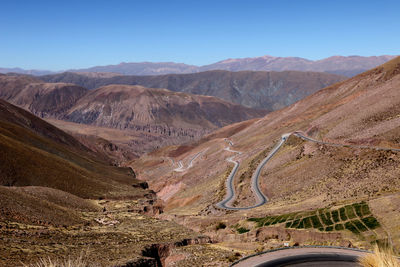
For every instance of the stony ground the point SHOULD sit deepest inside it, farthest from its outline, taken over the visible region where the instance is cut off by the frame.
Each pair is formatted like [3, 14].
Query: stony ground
[115, 236]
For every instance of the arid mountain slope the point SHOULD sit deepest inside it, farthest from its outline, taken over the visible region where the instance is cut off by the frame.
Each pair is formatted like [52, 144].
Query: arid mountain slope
[267, 90]
[343, 65]
[57, 199]
[42, 99]
[41, 205]
[348, 66]
[303, 175]
[143, 68]
[23, 71]
[145, 118]
[35, 153]
[156, 111]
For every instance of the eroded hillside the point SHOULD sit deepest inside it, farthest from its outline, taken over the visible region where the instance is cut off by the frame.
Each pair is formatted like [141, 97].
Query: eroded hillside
[59, 201]
[303, 176]
[136, 118]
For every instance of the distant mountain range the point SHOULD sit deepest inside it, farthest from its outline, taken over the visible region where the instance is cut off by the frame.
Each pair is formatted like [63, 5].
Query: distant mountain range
[27, 72]
[348, 66]
[255, 89]
[150, 117]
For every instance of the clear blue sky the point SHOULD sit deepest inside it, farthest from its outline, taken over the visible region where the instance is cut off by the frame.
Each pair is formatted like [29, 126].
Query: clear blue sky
[59, 34]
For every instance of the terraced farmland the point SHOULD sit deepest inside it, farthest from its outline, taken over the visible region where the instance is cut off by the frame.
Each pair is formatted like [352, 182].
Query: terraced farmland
[356, 218]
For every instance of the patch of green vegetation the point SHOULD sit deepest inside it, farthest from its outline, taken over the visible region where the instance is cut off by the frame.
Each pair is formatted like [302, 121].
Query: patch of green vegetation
[359, 225]
[242, 230]
[365, 209]
[260, 221]
[342, 213]
[291, 216]
[315, 221]
[329, 228]
[284, 218]
[295, 223]
[326, 218]
[301, 224]
[350, 226]
[339, 227]
[220, 225]
[307, 223]
[350, 212]
[357, 207]
[371, 222]
[335, 216]
[277, 219]
[269, 221]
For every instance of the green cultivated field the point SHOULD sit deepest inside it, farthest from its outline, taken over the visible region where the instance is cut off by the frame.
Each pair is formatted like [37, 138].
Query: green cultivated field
[356, 218]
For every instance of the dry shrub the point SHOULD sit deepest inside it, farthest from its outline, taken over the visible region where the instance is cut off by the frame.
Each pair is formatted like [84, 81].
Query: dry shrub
[382, 257]
[80, 261]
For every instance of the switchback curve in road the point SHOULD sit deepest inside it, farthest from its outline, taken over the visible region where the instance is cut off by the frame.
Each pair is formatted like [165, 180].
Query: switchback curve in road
[261, 198]
[180, 164]
[230, 191]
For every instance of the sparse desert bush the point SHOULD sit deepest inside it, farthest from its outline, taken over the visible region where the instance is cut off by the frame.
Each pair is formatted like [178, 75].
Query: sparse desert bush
[234, 257]
[242, 230]
[382, 257]
[220, 225]
[43, 262]
[80, 261]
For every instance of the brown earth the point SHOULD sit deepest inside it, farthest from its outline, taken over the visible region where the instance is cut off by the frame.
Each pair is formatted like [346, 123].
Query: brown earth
[35, 153]
[302, 175]
[156, 110]
[149, 118]
[256, 89]
[122, 235]
[49, 207]
[42, 99]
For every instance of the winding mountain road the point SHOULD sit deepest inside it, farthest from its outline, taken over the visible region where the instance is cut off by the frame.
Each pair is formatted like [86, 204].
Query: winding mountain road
[180, 164]
[260, 197]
